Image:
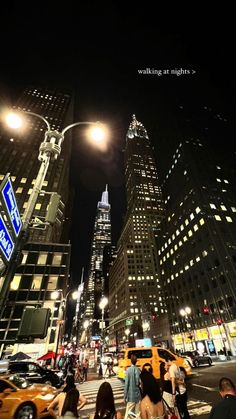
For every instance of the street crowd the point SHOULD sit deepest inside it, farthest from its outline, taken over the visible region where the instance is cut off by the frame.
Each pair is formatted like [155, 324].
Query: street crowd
[144, 396]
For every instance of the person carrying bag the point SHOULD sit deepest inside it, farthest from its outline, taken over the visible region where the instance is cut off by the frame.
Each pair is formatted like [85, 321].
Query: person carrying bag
[171, 412]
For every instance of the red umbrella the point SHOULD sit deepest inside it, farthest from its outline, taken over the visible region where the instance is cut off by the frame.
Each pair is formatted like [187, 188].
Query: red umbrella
[49, 355]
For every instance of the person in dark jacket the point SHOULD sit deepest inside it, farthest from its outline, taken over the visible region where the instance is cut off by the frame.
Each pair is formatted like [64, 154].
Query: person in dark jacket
[226, 408]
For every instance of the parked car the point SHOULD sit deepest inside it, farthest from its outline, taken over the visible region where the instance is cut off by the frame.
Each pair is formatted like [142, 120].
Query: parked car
[34, 373]
[20, 399]
[195, 359]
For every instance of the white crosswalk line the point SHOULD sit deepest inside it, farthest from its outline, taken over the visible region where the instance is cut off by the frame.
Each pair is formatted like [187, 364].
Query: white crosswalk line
[90, 389]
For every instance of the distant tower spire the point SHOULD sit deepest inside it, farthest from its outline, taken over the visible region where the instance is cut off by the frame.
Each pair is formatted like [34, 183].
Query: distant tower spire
[104, 203]
[136, 129]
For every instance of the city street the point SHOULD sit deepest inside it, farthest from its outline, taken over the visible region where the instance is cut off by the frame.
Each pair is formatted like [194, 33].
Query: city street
[202, 389]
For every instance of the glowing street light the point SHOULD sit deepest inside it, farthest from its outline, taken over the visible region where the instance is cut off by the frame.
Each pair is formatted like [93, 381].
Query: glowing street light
[103, 303]
[50, 149]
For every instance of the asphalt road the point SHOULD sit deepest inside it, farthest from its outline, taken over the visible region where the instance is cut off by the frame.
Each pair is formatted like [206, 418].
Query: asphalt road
[203, 385]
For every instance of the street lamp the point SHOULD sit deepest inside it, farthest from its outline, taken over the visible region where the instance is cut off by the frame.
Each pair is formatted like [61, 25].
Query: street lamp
[103, 303]
[184, 312]
[50, 149]
[62, 313]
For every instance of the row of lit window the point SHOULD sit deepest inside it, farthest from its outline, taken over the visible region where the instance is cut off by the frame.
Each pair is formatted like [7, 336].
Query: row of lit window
[36, 282]
[42, 259]
[177, 232]
[175, 248]
[223, 207]
[186, 266]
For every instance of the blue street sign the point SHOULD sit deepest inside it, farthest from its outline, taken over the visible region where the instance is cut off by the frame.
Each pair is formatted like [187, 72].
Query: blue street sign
[6, 243]
[11, 206]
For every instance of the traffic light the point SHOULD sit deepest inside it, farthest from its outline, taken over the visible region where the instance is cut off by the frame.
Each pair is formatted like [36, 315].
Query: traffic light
[205, 310]
[53, 208]
[153, 316]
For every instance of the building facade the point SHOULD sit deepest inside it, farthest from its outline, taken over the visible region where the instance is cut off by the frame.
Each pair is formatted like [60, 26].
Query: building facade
[19, 157]
[95, 285]
[197, 249]
[136, 294]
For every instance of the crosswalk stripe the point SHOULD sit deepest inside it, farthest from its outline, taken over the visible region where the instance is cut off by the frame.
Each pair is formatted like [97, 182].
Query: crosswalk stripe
[90, 389]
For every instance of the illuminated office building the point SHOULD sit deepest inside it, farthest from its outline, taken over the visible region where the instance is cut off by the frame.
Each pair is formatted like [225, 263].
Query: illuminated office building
[198, 247]
[134, 284]
[101, 238]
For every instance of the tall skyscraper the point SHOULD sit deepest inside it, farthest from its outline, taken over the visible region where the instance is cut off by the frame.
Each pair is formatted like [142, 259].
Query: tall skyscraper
[45, 264]
[101, 238]
[135, 287]
[197, 251]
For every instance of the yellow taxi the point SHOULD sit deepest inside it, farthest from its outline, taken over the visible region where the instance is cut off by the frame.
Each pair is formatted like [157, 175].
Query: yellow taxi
[20, 399]
[150, 356]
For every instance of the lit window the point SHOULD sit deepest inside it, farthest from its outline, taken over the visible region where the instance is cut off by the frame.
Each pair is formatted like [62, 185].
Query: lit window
[42, 258]
[174, 262]
[229, 219]
[38, 206]
[233, 209]
[204, 253]
[37, 280]
[185, 238]
[186, 222]
[52, 282]
[25, 254]
[197, 259]
[191, 216]
[195, 227]
[223, 208]
[23, 180]
[25, 204]
[1, 177]
[226, 181]
[15, 283]
[218, 180]
[19, 190]
[29, 191]
[197, 210]
[202, 221]
[56, 260]
[217, 217]
[190, 233]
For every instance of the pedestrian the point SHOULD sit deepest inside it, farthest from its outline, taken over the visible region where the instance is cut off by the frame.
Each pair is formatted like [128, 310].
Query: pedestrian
[151, 406]
[179, 390]
[132, 393]
[58, 401]
[105, 405]
[109, 368]
[226, 408]
[166, 385]
[85, 369]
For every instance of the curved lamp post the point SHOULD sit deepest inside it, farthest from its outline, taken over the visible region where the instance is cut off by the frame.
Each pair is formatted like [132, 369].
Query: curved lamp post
[49, 149]
[184, 312]
[103, 303]
[62, 313]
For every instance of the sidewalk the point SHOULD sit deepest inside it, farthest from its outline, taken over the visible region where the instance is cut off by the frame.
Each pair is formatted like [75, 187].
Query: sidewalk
[222, 358]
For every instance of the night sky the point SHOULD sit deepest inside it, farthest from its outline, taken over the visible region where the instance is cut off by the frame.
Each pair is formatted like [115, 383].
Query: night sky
[96, 50]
